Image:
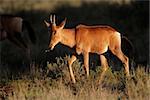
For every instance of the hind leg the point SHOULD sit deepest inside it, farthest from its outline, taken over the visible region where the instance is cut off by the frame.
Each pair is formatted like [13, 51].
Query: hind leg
[123, 58]
[86, 62]
[104, 64]
[16, 42]
[20, 39]
[115, 47]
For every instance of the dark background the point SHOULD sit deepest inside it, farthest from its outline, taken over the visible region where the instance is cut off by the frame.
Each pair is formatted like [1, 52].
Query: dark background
[130, 18]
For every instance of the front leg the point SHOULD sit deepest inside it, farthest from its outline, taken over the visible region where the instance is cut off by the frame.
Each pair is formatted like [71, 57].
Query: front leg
[86, 62]
[70, 62]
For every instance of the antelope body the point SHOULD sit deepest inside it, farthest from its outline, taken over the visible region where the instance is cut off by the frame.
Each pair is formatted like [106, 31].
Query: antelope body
[11, 28]
[88, 39]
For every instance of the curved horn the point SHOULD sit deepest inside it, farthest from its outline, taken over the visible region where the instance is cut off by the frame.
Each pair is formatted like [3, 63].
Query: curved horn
[51, 19]
[54, 20]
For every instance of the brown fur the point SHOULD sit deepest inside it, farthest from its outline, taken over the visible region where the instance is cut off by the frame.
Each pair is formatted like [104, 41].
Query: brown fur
[88, 39]
[11, 28]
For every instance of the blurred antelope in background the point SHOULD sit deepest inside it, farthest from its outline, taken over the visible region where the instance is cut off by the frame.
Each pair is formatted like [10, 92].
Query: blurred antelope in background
[88, 39]
[11, 28]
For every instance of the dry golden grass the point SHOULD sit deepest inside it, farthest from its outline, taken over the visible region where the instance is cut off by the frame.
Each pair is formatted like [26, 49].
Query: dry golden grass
[59, 87]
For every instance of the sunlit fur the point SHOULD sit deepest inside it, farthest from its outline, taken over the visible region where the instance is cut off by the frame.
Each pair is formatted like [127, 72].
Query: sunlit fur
[89, 39]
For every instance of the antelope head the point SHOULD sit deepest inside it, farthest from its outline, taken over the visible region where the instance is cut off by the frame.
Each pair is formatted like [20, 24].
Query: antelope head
[56, 35]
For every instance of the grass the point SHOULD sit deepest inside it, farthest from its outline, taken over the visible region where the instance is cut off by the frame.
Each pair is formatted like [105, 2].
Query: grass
[56, 85]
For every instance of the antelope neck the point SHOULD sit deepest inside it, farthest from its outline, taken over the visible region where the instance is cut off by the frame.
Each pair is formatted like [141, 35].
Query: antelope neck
[68, 37]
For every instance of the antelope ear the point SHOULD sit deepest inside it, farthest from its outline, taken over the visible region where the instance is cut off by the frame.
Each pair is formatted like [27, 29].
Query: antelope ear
[63, 23]
[47, 24]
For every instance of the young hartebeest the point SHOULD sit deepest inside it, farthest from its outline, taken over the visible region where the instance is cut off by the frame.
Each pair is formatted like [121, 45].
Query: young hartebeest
[11, 28]
[88, 39]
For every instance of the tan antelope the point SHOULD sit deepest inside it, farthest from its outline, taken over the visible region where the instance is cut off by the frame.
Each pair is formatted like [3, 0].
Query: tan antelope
[88, 39]
[11, 28]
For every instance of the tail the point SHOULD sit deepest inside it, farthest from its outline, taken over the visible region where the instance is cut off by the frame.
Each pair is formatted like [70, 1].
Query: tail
[31, 32]
[127, 47]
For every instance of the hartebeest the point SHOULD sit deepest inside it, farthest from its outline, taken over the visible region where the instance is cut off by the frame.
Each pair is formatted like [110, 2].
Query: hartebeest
[11, 28]
[88, 39]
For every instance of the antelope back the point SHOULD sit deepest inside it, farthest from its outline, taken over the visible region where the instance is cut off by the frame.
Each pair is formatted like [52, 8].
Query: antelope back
[11, 23]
